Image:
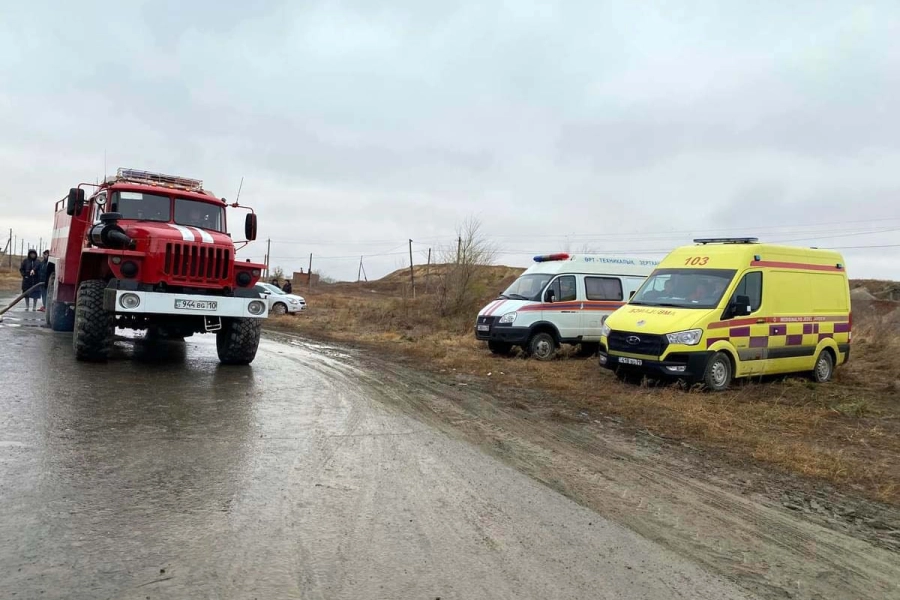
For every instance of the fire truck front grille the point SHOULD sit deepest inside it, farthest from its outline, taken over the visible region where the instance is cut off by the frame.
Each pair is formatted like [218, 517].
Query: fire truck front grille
[197, 263]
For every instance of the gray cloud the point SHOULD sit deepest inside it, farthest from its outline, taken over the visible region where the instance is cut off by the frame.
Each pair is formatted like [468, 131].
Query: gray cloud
[358, 126]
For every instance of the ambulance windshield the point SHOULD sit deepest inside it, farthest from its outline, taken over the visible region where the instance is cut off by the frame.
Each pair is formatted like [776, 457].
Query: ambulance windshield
[527, 287]
[684, 288]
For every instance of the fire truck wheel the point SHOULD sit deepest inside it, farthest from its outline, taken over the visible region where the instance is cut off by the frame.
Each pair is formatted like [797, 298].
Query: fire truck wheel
[94, 326]
[238, 340]
[58, 314]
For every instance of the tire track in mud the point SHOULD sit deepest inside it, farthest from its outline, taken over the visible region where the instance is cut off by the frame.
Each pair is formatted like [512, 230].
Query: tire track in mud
[762, 547]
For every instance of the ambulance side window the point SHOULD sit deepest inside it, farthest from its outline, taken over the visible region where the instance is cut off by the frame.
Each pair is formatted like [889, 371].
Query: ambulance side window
[750, 286]
[564, 289]
[603, 288]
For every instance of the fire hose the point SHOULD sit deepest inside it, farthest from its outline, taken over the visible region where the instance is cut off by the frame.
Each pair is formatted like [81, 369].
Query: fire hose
[19, 298]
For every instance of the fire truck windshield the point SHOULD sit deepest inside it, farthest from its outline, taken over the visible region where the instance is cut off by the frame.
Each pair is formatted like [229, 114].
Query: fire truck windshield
[142, 207]
[154, 207]
[199, 214]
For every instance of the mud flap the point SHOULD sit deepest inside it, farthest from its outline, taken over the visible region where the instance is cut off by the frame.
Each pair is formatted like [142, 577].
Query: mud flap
[212, 324]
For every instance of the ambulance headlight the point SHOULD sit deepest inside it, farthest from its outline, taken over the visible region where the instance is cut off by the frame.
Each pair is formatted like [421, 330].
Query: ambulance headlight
[605, 330]
[509, 317]
[686, 338]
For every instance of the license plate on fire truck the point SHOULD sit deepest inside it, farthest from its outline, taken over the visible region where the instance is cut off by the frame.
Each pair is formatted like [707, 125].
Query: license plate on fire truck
[184, 304]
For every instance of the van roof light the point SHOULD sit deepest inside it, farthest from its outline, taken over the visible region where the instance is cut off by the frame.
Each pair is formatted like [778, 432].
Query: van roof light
[158, 179]
[739, 240]
[551, 257]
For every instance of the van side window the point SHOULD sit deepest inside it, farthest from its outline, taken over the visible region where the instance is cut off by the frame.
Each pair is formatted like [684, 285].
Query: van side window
[750, 286]
[603, 288]
[564, 289]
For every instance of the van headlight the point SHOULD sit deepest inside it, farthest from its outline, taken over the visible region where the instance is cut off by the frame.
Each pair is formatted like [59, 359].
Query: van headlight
[605, 330]
[685, 338]
[509, 317]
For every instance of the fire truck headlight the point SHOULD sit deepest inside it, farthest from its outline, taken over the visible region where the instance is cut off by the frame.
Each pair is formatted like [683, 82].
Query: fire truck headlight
[256, 307]
[129, 268]
[129, 301]
[243, 279]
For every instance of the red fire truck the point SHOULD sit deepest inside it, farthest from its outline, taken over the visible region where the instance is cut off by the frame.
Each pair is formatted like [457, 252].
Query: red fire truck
[148, 251]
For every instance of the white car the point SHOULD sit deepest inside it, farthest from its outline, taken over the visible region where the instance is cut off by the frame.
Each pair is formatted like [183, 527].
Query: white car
[280, 303]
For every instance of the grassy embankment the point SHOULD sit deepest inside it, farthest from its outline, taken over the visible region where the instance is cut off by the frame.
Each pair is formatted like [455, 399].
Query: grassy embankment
[846, 432]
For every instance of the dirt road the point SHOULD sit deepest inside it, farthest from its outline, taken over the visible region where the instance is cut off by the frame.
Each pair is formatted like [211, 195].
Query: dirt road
[321, 473]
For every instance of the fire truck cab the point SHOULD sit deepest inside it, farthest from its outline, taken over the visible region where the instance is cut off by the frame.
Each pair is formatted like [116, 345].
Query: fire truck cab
[147, 251]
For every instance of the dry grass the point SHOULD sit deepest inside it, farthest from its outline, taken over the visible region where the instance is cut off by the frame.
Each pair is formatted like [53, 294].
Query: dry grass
[10, 280]
[845, 432]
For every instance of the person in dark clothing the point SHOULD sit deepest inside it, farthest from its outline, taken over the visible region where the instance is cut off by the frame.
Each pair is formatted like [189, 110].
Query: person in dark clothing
[288, 288]
[44, 274]
[30, 271]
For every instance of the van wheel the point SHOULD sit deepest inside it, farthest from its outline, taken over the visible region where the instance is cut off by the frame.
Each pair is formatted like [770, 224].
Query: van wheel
[824, 368]
[501, 348]
[718, 373]
[542, 346]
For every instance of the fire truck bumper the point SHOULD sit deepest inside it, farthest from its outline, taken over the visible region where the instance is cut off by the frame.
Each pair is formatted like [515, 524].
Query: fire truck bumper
[156, 303]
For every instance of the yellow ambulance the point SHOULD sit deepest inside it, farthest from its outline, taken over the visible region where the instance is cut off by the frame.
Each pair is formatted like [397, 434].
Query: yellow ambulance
[732, 307]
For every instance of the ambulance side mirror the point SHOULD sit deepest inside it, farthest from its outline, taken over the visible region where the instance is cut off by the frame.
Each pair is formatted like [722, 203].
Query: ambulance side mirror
[549, 295]
[741, 306]
[75, 202]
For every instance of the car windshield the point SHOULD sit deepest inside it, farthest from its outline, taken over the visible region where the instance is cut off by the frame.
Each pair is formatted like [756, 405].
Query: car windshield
[142, 207]
[684, 288]
[527, 287]
[269, 288]
[195, 213]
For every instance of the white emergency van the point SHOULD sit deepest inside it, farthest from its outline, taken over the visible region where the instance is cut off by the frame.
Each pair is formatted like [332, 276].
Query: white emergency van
[560, 299]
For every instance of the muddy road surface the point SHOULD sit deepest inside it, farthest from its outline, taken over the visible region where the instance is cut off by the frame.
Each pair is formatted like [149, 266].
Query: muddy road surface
[320, 472]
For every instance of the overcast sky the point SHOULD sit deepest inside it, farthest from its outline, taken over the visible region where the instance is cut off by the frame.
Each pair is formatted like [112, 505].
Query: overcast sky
[617, 127]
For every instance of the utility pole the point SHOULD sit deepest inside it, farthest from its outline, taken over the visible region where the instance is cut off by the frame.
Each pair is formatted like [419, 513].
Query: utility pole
[412, 275]
[309, 271]
[458, 248]
[428, 270]
[359, 271]
[41, 246]
[9, 247]
[268, 255]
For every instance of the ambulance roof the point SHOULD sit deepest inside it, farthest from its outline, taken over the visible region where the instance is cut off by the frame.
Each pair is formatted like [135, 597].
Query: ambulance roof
[593, 264]
[741, 254]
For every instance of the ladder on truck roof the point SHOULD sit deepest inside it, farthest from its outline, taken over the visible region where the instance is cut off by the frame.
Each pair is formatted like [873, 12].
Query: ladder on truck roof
[156, 179]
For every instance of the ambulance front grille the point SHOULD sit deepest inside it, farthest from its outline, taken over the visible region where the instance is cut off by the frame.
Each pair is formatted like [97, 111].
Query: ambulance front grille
[637, 343]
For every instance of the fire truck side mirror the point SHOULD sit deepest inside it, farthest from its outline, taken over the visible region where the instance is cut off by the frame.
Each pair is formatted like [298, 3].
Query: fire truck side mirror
[250, 227]
[76, 202]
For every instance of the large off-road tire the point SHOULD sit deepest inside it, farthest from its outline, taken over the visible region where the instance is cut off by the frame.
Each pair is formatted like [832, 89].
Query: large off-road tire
[58, 315]
[824, 368]
[500, 348]
[280, 308]
[719, 373]
[238, 340]
[542, 346]
[94, 326]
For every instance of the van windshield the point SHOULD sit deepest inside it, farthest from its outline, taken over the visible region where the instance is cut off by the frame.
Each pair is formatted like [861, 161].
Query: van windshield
[684, 288]
[527, 287]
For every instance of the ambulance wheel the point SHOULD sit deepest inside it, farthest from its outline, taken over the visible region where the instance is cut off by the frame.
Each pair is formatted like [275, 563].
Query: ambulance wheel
[718, 373]
[237, 341]
[824, 368]
[94, 325]
[500, 348]
[542, 346]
